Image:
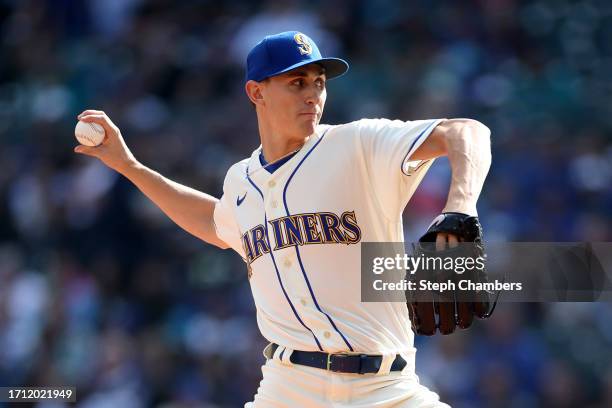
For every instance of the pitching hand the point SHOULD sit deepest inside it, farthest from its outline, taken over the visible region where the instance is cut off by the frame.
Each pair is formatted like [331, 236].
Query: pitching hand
[113, 151]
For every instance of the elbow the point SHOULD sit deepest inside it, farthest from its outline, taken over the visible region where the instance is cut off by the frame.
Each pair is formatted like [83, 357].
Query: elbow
[469, 138]
[480, 129]
[482, 134]
[469, 131]
[472, 128]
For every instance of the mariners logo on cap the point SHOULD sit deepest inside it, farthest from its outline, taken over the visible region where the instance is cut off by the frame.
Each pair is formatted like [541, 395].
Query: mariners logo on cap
[303, 44]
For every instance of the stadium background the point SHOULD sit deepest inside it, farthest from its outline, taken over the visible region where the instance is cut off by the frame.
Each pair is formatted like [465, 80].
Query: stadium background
[99, 290]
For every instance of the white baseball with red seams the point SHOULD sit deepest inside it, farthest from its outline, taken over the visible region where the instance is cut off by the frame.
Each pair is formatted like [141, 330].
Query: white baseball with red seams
[89, 134]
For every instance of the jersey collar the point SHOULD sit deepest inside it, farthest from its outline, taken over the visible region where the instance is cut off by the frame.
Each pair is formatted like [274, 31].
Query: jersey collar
[258, 174]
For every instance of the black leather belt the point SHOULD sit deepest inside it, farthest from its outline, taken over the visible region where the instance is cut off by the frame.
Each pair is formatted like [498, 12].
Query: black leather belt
[341, 363]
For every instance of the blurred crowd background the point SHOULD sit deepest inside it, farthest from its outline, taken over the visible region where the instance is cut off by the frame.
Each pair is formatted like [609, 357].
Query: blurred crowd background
[98, 289]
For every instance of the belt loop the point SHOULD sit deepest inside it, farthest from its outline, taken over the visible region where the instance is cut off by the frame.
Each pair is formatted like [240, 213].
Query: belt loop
[277, 353]
[362, 358]
[410, 363]
[283, 355]
[280, 354]
[286, 357]
[385, 364]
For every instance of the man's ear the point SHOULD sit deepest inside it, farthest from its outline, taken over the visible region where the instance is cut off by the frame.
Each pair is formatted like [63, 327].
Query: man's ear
[253, 90]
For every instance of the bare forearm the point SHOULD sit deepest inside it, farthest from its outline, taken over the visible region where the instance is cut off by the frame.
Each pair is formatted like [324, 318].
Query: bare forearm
[190, 209]
[469, 154]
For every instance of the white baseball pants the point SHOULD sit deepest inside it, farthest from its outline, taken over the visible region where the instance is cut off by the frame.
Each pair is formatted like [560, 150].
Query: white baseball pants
[288, 385]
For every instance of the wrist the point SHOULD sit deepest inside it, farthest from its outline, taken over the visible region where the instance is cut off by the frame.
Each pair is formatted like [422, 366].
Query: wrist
[461, 207]
[129, 167]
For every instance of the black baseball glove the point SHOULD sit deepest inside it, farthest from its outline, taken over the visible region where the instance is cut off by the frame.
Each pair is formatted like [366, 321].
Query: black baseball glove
[452, 303]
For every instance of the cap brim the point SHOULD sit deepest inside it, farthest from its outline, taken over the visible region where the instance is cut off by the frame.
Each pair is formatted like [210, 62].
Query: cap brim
[334, 67]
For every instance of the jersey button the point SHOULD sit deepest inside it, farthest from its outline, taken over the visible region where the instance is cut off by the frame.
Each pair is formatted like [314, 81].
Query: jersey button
[274, 203]
[287, 263]
[271, 183]
[303, 302]
[326, 334]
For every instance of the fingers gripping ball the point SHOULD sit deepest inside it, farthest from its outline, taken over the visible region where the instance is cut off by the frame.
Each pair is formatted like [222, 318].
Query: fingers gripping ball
[444, 310]
[89, 134]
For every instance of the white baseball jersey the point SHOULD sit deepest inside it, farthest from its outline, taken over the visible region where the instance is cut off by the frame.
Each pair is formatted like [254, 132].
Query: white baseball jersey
[299, 230]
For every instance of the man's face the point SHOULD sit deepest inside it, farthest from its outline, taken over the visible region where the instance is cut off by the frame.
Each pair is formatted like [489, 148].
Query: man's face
[294, 100]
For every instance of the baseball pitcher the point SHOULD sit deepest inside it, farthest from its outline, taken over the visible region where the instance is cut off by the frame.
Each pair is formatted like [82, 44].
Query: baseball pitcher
[297, 210]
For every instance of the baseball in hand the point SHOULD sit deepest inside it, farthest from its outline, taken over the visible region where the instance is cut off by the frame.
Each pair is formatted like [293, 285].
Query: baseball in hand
[89, 134]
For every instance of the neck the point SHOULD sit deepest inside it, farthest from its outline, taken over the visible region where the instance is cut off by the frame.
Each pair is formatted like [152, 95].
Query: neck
[276, 145]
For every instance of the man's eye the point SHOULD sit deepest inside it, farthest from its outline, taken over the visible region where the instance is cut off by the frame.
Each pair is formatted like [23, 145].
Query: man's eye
[297, 82]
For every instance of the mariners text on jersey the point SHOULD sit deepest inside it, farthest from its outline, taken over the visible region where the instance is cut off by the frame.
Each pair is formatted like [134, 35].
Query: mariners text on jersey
[302, 229]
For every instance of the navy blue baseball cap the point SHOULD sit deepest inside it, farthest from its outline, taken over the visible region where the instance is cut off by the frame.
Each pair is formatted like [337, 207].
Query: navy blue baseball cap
[279, 53]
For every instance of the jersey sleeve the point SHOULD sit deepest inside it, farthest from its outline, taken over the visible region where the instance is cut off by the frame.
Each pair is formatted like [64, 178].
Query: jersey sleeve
[387, 146]
[224, 219]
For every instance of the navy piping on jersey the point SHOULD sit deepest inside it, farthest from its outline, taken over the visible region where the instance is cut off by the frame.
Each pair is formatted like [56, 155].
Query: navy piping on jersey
[271, 168]
[412, 145]
[298, 251]
[276, 267]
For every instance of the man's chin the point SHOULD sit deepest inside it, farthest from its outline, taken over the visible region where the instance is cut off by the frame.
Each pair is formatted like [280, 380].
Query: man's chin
[309, 128]
[306, 130]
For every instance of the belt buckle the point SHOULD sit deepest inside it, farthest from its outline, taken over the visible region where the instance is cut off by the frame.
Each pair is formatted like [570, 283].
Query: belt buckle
[329, 357]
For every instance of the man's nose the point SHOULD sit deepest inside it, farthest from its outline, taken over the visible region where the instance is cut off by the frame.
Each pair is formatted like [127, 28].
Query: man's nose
[313, 95]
